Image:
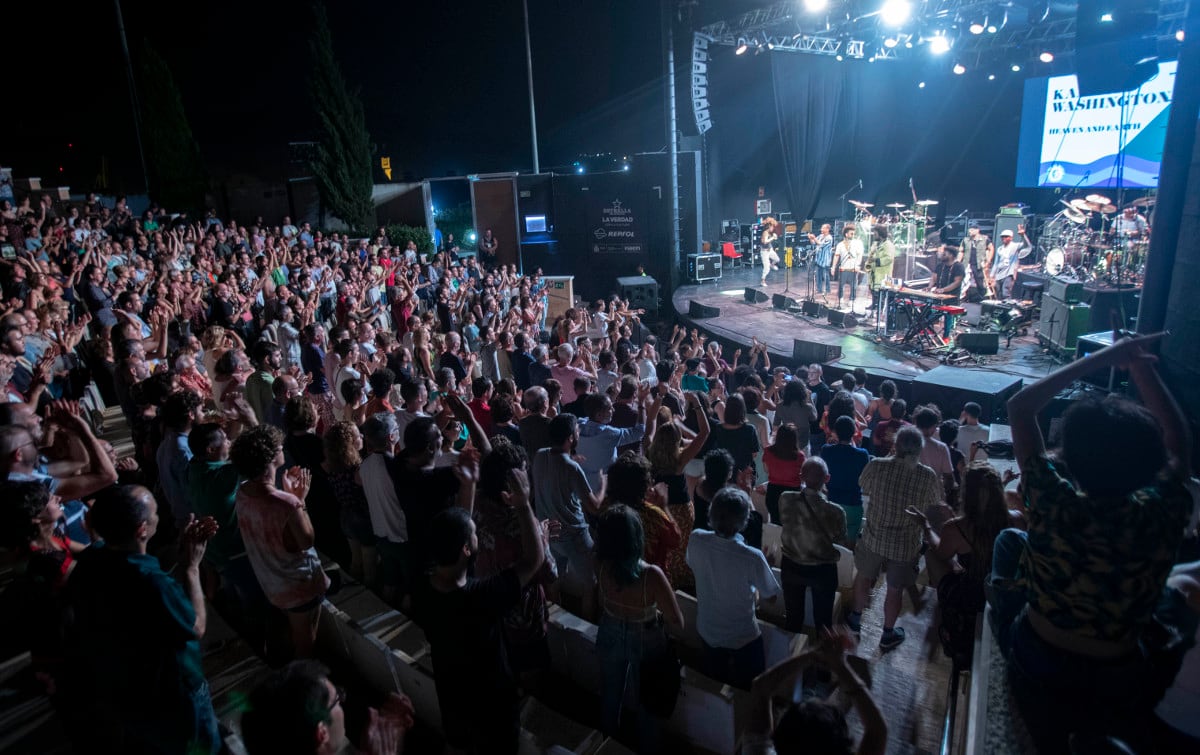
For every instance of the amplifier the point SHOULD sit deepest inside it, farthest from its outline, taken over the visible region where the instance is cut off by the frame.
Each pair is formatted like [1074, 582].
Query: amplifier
[1064, 289]
[979, 343]
[703, 267]
[1062, 323]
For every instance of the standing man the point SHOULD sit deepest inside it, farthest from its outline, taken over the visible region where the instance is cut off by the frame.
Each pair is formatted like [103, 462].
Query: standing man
[824, 256]
[977, 251]
[891, 537]
[879, 263]
[770, 258]
[1002, 265]
[847, 259]
[487, 247]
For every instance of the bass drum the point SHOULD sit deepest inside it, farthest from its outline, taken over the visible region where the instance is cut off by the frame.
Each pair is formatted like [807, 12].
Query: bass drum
[1059, 258]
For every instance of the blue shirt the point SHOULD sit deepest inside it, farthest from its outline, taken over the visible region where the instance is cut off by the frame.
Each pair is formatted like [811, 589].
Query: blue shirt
[173, 456]
[728, 574]
[598, 446]
[846, 464]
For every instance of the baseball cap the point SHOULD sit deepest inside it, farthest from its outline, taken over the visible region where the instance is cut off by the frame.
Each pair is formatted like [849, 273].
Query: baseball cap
[1006, 232]
[973, 224]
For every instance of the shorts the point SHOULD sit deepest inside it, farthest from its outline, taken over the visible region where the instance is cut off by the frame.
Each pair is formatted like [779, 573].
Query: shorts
[395, 564]
[900, 574]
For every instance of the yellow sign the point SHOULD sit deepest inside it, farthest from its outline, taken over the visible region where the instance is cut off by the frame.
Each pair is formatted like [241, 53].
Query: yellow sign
[787, 257]
[386, 164]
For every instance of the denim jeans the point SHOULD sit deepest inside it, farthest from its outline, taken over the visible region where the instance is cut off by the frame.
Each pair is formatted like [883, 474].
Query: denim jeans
[847, 279]
[823, 284]
[622, 646]
[797, 579]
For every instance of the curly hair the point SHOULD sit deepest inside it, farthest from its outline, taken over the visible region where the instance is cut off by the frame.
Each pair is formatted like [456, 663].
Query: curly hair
[341, 443]
[299, 414]
[255, 449]
[494, 469]
[24, 502]
[178, 408]
[629, 480]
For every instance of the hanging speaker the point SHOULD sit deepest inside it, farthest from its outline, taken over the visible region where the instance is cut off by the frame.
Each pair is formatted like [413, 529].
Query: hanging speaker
[1115, 45]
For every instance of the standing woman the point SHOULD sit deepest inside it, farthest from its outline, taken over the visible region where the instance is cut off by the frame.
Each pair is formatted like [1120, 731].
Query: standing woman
[797, 407]
[783, 460]
[278, 534]
[668, 458]
[880, 408]
[312, 360]
[635, 598]
[343, 447]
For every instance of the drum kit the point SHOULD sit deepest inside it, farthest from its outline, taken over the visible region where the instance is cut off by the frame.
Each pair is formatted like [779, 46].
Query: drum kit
[1081, 240]
[906, 224]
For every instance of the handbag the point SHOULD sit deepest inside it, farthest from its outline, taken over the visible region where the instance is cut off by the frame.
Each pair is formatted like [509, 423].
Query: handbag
[660, 680]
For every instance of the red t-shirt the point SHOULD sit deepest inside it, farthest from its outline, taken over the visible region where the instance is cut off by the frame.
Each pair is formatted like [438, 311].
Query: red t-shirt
[781, 471]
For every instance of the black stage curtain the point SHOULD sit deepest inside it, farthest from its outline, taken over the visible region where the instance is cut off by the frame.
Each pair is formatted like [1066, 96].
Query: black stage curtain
[809, 96]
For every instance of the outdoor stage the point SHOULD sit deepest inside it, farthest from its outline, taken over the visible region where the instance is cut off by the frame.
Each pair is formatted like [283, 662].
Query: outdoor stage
[1025, 360]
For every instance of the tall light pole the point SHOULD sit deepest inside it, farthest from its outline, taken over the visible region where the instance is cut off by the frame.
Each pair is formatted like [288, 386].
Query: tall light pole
[133, 98]
[529, 77]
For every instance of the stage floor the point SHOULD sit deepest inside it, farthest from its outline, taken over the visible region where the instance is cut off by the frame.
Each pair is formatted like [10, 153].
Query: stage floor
[861, 345]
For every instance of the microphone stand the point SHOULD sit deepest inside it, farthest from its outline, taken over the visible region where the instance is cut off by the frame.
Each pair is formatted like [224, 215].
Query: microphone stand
[856, 185]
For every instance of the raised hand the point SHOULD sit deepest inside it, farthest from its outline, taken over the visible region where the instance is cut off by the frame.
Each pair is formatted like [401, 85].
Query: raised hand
[517, 493]
[194, 540]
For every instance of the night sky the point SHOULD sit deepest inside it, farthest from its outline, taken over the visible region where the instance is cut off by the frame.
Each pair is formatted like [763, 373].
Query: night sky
[443, 84]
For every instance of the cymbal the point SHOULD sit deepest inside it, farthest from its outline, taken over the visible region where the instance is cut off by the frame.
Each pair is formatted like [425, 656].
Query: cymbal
[1081, 205]
[1143, 202]
[926, 202]
[1107, 209]
[1098, 199]
[896, 205]
[1075, 216]
[860, 205]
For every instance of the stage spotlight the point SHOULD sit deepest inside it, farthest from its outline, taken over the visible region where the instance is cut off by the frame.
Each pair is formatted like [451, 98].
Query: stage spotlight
[1016, 67]
[1046, 57]
[890, 42]
[991, 29]
[770, 45]
[1106, 18]
[871, 59]
[921, 85]
[471, 237]
[939, 45]
[815, 6]
[991, 77]
[895, 12]
[959, 69]
[977, 27]
[908, 43]
[838, 57]
[1179, 36]
[741, 47]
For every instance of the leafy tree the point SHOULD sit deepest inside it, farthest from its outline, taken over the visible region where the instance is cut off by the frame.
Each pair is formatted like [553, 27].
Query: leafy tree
[342, 166]
[176, 174]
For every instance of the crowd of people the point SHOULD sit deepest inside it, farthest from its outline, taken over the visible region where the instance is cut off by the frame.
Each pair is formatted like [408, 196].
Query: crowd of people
[425, 422]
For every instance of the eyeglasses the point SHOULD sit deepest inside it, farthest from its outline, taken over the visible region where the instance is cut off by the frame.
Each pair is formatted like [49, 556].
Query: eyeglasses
[339, 698]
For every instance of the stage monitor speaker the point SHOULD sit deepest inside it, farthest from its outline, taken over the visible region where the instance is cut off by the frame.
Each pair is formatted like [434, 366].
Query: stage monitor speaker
[1118, 54]
[979, 343]
[951, 387]
[1064, 289]
[814, 308]
[1089, 343]
[780, 301]
[808, 352]
[698, 311]
[841, 319]
[754, 296]
[641, 291]
[1062, 323]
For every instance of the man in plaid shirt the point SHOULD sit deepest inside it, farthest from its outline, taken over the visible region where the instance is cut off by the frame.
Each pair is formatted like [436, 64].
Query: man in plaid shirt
[891, 538]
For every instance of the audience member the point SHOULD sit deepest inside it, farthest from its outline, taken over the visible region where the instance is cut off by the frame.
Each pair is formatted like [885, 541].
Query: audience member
[812, 525]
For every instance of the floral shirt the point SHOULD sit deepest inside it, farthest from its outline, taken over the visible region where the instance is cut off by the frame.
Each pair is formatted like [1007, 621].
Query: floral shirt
[1097, 567]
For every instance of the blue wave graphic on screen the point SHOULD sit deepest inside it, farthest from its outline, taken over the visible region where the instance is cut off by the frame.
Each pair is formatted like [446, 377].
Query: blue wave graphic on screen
[1139, 172]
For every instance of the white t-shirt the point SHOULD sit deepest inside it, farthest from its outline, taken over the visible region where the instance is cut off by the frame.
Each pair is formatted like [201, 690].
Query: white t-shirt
[387, 518]
[968, 434]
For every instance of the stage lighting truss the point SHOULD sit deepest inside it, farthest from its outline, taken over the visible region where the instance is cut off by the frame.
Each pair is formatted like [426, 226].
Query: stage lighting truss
[786, 26]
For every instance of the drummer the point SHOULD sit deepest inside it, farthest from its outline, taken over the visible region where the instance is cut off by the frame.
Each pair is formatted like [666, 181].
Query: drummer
[1131, 224]
[1003, 272]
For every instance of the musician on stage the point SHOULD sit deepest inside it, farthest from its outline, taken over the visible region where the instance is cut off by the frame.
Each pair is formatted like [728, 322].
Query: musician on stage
[1002, 266]
[879, 261]
[948, 279]
[847, 259]
[1131, 224]
[977, 250]
[770, 258]
[824, 256]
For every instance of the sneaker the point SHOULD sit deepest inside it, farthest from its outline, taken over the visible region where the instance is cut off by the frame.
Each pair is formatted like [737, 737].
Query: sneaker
[854, 620]
[891, 638]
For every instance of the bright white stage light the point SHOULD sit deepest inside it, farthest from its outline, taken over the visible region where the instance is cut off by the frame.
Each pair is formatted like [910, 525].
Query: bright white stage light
[741, 48]
[1046, 57]
[890, 42]
[977, 27]
[895, 12]
[939, 45]
[991, 77]
[921, 85]
[959, 69]
[1106, 18]
[1179, 36]
[815, 6]
[1016, 67]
